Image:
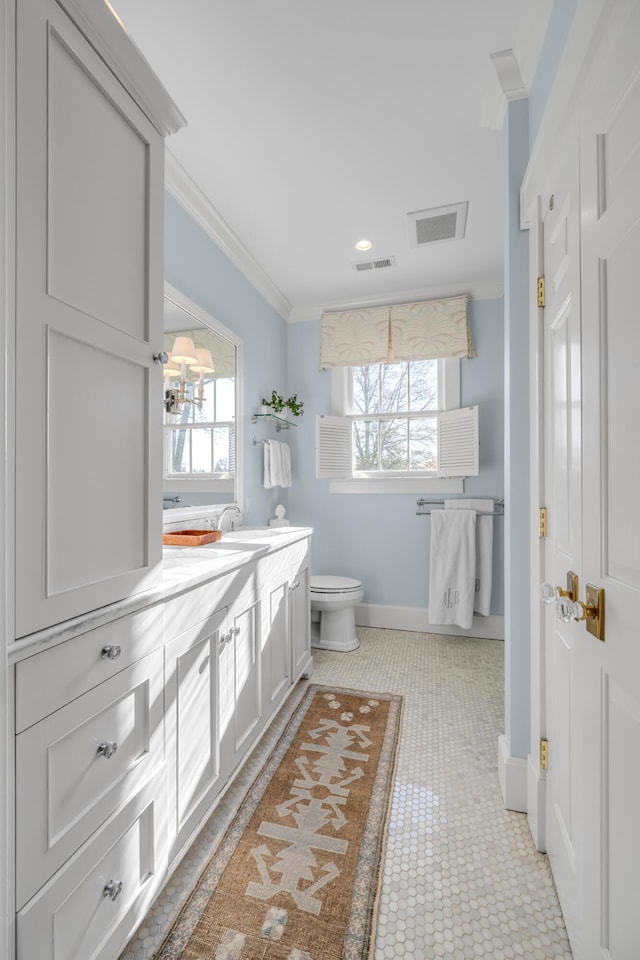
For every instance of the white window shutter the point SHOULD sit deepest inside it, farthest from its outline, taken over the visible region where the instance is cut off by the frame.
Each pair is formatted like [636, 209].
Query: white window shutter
[458, 445]
[333, 447]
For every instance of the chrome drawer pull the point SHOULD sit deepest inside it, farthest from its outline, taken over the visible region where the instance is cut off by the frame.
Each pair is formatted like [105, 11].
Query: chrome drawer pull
[107, 749]
[112, 889]
[111, 652]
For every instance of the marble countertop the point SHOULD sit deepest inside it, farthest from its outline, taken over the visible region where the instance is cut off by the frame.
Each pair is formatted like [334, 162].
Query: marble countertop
[182, 569]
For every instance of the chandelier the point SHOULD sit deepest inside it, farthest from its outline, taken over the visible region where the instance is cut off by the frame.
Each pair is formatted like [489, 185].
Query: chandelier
[187, 365]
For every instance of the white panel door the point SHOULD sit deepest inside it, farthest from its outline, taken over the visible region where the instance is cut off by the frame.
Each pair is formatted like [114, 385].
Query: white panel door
[563, 547]
[89, 318]
[610, 172]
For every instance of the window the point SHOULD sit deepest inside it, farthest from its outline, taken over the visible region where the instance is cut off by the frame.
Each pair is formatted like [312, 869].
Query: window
[400, 429]
[200, 442]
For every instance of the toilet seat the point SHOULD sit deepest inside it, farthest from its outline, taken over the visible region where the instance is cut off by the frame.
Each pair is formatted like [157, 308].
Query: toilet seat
[333, 585]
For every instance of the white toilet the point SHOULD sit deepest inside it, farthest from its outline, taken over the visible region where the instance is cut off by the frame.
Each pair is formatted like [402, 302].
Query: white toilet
[333, 622]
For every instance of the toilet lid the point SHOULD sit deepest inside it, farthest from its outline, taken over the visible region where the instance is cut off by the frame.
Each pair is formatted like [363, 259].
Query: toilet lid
[333, 584]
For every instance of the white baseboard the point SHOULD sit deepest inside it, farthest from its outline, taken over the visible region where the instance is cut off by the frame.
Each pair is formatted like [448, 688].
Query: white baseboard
[512, 773]
[537, 802]
[417, 619]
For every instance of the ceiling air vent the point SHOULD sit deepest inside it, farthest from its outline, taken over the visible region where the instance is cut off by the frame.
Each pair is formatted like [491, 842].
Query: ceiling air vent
[437, 224]
[379, 264]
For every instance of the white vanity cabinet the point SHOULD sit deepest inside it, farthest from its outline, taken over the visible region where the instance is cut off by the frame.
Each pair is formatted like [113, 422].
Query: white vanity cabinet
[212, 693]
[286, 614]
[89, 308]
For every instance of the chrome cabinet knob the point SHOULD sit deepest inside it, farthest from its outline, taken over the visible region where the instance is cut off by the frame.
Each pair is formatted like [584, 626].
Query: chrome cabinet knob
[107, 748]
[161, 357]
[111, 651]
[112, 889]
[295, 585]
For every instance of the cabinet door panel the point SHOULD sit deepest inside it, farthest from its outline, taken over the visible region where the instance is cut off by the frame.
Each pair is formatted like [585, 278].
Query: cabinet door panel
[246, 674]
[192, 729]
[91, 142]
[89, 199]
[278, 659]
[300, 623]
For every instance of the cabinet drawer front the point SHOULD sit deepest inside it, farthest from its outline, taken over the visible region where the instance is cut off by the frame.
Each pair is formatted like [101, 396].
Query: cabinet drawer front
[83, 662]
[196, 605]
[79, 764]
[83, 913]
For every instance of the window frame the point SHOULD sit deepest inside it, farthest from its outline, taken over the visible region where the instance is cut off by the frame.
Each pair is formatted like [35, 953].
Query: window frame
[341, 402]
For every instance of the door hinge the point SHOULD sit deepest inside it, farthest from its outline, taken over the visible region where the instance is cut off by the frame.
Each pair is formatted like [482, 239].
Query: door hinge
[544, 754]
[541, 291]
[542, 521]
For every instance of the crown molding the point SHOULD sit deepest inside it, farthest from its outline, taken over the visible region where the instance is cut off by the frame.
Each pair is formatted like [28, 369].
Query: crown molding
[185, 190]
[107, 34]
[313, 311]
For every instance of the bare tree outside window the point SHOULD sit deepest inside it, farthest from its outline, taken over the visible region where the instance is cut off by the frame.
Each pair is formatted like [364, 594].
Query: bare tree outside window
[389, 435]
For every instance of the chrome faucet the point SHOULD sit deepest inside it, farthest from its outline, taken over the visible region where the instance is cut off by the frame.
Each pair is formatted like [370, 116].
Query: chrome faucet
[236, 516]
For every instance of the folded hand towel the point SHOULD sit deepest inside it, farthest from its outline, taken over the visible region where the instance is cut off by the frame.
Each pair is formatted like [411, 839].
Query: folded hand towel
[484, 550]
[277, 464]
[452, 571]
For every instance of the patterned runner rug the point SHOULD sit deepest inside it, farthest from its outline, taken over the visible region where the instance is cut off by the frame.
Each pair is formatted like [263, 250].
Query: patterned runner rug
[296, 875]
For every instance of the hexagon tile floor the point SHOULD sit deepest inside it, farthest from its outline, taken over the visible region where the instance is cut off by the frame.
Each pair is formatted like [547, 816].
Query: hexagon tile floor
[461, 877]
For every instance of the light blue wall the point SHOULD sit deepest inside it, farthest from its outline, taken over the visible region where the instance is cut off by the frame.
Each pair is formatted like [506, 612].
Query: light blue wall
[196, 267]
[376, 537]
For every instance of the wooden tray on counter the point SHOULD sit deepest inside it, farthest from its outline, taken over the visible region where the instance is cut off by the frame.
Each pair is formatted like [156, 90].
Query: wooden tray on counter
[191, 538]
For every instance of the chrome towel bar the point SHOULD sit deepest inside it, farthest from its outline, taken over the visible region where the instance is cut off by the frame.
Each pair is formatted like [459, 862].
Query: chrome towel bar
[498, 507]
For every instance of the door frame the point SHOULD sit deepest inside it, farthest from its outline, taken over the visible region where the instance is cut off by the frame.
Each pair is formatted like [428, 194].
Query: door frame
[559, 121]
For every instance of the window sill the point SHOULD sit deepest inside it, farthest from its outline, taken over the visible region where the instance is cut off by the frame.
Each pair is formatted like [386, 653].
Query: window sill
[412, 485]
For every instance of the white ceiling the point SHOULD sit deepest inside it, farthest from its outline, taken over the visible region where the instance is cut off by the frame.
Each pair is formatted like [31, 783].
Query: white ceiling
[311, 125]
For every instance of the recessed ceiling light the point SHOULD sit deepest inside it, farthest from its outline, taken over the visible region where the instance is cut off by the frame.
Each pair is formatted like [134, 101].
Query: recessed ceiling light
[363, 245]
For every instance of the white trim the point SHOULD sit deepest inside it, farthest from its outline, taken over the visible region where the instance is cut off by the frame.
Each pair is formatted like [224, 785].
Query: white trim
[433, 485]
[509, 77]
[7, 347]
[416, 619]
[476, 291]
[107, 34]
[512, 773]
[576, 60]
[185, 190]
[537, 802]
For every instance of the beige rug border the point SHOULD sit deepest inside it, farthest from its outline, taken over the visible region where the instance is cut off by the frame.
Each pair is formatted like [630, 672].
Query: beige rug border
[177, 936]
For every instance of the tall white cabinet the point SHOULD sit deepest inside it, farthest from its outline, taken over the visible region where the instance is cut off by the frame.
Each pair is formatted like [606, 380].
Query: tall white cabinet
[89, 287]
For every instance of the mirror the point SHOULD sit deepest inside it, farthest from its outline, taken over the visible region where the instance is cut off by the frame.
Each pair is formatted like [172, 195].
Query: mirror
[202, 418]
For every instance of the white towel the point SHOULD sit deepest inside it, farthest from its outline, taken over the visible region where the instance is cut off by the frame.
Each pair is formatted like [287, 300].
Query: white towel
[452, 570]
[277, 464]
[484, 550]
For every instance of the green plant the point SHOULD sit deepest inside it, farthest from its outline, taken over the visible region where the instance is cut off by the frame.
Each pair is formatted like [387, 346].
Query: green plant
[276, 402]
[295, 405]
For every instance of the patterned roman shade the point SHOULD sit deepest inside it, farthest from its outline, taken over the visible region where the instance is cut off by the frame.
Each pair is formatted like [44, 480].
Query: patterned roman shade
[431, 330]
[354, 337]
[428, 330]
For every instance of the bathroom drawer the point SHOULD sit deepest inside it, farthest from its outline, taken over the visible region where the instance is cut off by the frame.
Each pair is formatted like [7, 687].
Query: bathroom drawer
[72, 918]
[50, 679]
[197, 604]
[66, 787]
